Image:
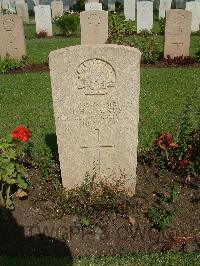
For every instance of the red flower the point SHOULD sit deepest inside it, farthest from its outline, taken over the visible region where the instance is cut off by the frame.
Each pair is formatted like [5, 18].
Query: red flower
[21, 133]
[165, 141]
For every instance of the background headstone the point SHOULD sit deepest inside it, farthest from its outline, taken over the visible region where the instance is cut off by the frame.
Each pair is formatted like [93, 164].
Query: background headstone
[93, 6]
[129, 9]
[181, 4]
[56, 8]
[12, 39]
[144, 16]
[22, 10]
[96, 120]
[12, 6]
[194, 7]
[94, 27]
[111, 5]
[36, 2]
[164, 5]
[43, 19]
[93, 1]
[177, 33]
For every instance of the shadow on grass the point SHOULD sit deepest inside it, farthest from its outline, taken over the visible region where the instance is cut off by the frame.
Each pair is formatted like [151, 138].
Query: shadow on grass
[51, 142]
[18, 241]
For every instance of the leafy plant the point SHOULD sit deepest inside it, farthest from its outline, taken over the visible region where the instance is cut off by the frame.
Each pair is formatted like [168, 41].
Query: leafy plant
[150, 47]
[7, 63]
[178, 61]
[173, 192]
[162, 213]
[197, 55]
[160, 217]
[119, 28]
[79, 6]
[182, 156]
[68, 24]
[12, 170]
[162, 22]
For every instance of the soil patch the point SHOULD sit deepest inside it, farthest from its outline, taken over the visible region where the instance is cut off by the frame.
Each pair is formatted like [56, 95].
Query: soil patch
[45, 67]
[37, 226]
[30, 69]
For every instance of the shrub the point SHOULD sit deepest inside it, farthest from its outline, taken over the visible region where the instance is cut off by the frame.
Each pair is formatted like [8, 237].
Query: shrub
[68, 24]
[8, 63]
[161, 217]
[118, 6]
[177, 61]
[79, 6]
[197, 55]
[150, 47]
[162, 22]
[41, 34]
[119, 28]
[12, 170]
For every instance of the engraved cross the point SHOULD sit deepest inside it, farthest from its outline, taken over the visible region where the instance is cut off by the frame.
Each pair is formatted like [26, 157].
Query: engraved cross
[98, 147]
[177, 44]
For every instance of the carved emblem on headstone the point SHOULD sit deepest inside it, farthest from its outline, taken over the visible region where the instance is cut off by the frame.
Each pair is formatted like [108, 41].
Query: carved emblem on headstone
[95, 77]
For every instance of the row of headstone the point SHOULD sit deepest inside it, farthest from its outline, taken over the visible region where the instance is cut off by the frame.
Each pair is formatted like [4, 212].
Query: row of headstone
[94, 28]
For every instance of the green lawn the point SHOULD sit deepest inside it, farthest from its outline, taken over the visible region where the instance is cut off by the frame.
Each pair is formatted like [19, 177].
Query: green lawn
[26, 99]
[167, 259]
[39, 49]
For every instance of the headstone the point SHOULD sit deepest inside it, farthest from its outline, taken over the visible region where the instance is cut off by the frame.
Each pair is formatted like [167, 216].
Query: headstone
[93, 1]
[194, 7]
[5, 4]
[22, 10]
[1, 8]
[12, 39]
[94, 27]
[177, 33]
[111, 5]
[129, 9]
[144, 16]
[180, 4]
[66, 5]
[96, 120]
[12, 6]
[36, 2]
[43, 19]
[93, 6]
[164, 5]
[57, 9]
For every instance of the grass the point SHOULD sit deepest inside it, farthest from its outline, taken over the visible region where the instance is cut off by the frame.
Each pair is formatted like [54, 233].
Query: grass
[166, 259]
[26, 99]
[39, 49]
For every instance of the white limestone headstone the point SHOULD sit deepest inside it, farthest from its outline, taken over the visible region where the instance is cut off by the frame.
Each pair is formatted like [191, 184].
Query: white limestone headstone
[111, 5]
[96, 120]
[144, 16]
[12, 6]
[43, 19]
[12, 39]
[177, 33]
[22, 10]
[93, 6]
[129, 9]
[164, 5]
[194, 7]
[181, 4]
[94, 27]
[57, 9]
